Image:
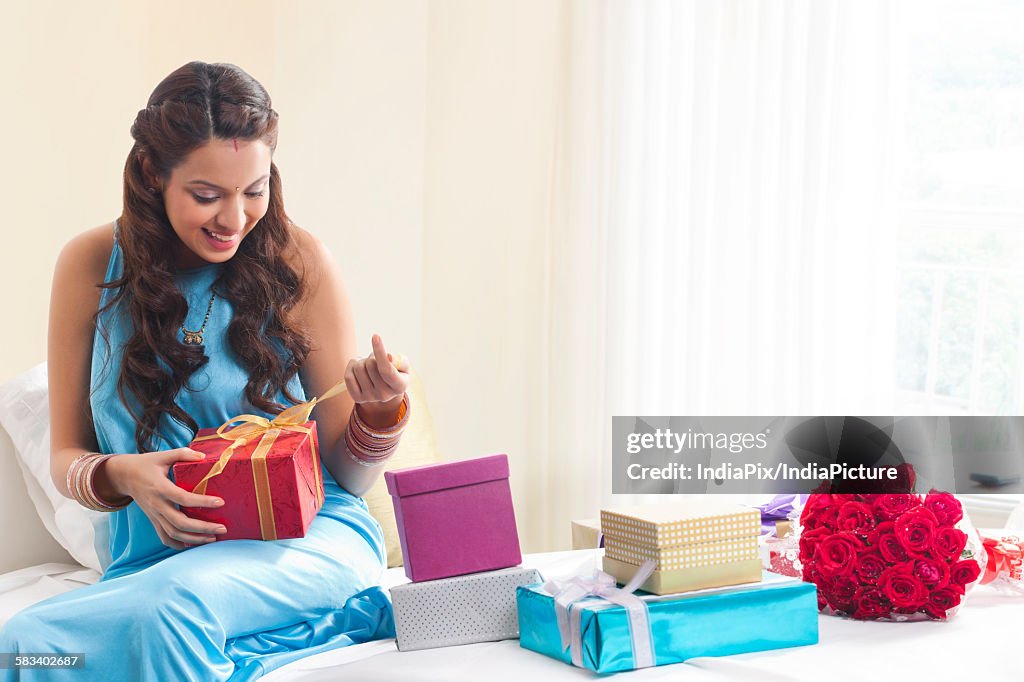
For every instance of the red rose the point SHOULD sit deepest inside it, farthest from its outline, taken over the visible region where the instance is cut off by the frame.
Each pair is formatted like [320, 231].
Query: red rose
[964, 572]
[809, 540]
[870, 603]
[900, 587]
[949, 543]
[931, 572]
[947, 509]
[915, 529]
[823, 510]
[855, 517]
[811, 574]
[809, 522]
[836, 553]
[829, 516]
[891, 507]
[824, 488]
[815, 504]
[904, 481]
[869, 566]
[811, 515]
[839, 592]
[888, 544]
[940, 601]
[883, 528]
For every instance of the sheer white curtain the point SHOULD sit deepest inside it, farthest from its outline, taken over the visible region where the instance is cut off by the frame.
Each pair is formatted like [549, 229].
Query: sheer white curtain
[720, 231]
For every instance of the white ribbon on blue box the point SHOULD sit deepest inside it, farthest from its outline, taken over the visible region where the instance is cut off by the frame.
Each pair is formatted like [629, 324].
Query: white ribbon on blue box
[568, 611]
[602, 635]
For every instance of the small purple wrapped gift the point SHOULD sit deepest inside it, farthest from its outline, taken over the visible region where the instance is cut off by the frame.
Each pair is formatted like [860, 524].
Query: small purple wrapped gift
[455, 518]
[779, 508]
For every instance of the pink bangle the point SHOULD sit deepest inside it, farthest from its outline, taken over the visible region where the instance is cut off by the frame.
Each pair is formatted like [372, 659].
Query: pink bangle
[370, 446]
[81, 483]
[393, 430]
[365, 462]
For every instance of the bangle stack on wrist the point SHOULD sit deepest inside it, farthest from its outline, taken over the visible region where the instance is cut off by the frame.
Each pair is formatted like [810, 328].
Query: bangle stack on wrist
[369, 446]
[81, 483]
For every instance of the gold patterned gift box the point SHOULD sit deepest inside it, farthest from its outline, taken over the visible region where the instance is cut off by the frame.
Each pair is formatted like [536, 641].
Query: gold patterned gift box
[695, 544]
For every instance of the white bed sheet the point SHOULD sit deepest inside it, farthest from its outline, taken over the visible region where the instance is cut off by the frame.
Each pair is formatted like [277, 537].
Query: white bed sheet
[983, 642]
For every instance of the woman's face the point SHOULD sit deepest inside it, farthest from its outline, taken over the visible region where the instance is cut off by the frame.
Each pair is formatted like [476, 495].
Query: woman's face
[210, 216]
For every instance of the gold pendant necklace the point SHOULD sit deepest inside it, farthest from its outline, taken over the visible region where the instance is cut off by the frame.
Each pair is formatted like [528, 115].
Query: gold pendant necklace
[195, 338]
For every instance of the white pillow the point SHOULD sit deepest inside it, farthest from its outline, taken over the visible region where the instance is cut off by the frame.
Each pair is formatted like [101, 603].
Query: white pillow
[25, 415]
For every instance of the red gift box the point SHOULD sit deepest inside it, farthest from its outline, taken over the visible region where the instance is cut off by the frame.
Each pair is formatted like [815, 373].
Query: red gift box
[269, 479]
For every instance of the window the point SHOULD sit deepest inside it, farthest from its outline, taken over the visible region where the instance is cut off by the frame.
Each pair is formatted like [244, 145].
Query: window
[960, 337]
[960, 310]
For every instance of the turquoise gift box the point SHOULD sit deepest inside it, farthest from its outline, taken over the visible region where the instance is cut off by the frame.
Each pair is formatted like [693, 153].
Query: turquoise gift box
[776, 613]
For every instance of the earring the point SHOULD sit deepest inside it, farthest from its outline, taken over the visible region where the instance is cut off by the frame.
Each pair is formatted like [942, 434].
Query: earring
[152, 190]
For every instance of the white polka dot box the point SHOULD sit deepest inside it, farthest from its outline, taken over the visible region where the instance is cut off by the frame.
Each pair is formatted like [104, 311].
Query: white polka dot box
[480, 607]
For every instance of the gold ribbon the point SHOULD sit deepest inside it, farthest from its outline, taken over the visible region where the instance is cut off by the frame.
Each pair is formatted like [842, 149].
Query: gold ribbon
[267, 430]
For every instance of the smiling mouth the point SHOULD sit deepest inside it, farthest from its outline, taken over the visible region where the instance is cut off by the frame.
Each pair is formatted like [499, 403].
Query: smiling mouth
[219, 237]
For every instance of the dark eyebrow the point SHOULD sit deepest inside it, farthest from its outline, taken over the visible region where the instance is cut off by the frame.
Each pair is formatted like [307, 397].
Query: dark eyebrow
[213, 186]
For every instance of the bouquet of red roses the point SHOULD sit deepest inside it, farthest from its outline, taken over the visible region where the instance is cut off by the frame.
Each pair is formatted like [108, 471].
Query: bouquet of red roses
[895, 556]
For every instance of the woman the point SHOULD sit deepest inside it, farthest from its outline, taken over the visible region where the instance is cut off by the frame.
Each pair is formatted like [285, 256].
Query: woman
[212, 304]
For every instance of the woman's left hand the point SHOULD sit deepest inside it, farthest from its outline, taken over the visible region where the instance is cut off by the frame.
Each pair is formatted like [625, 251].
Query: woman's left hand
[377, 384]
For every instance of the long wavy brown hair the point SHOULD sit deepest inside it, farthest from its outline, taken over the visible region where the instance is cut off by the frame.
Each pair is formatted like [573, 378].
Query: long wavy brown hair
[194, 104]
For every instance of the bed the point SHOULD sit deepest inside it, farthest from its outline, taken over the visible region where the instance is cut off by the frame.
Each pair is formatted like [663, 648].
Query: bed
[980, 643]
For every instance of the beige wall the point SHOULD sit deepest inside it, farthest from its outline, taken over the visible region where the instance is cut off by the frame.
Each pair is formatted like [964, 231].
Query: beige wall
[491, 111]
[73, 78]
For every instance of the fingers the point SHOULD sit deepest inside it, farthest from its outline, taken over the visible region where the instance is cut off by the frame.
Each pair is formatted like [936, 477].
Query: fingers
[158, 497]
[182, 523]
[178, 530]
[167, 540]
[374, 387]
[385, 366]
[182, 455]
[166, 532]
[376, 378]
[365, 383]
[180, 537]
[379, 354]
[186, 499]
[185, 454]
[379, 386]
[352, 383]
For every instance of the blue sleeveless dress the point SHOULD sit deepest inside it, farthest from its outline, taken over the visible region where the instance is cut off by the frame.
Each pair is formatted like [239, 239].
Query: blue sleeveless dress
[231, 610]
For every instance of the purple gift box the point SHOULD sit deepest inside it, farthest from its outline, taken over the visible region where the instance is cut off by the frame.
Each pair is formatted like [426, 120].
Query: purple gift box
[455, 518]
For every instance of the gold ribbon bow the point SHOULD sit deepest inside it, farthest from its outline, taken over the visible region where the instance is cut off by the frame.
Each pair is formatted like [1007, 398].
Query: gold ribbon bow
[267, 430]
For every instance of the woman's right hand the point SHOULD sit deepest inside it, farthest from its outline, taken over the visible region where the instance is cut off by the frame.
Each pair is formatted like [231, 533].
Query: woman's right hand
[145, 478]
